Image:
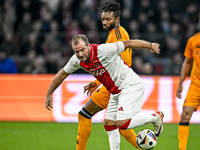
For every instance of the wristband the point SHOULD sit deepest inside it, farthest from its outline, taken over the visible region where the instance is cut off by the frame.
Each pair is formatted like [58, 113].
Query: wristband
[151, 45]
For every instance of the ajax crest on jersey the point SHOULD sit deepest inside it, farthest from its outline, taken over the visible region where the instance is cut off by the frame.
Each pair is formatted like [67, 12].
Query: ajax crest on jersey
[146, 139]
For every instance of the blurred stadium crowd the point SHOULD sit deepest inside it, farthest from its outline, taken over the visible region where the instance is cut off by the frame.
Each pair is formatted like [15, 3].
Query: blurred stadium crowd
[36, 34]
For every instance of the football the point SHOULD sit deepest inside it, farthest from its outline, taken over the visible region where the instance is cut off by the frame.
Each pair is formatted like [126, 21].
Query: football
[146, 139]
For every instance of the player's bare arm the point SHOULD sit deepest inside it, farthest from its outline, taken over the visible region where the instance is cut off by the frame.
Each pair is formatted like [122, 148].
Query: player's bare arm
[154, 47]
[58, 79]
[90, 88]
[184, 72]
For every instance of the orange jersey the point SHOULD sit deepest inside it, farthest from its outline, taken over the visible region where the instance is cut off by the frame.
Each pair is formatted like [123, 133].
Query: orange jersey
[120, 34]
[192, 51]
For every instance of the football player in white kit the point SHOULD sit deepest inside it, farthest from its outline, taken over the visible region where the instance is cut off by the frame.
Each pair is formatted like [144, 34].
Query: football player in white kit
[126, 87]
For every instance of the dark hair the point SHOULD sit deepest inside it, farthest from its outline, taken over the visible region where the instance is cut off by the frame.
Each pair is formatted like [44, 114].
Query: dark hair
[78, 37]
[108, 6]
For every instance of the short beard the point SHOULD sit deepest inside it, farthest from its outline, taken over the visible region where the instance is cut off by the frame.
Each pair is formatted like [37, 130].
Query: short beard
[112, 26]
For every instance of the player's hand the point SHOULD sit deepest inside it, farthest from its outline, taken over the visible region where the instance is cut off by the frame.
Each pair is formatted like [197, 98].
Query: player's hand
[179, 91]
[90, 88]
[48, 102]
[155, 48]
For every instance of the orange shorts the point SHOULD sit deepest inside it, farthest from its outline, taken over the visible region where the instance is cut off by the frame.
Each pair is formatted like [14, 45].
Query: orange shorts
[101, 97]
[193, 97]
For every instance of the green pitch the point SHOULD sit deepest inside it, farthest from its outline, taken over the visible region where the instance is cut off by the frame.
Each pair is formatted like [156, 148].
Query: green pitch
[62, 136]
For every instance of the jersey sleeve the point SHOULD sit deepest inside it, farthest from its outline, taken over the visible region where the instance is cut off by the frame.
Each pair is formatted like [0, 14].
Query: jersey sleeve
[111, 49]
[72, 65]
[188, 49]
[97, 82]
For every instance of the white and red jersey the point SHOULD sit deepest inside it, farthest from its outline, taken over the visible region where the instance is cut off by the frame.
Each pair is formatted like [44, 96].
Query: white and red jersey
[106, 65]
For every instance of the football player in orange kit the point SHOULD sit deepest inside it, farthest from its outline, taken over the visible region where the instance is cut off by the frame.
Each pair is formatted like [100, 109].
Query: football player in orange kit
[110, 15]
[192, 100]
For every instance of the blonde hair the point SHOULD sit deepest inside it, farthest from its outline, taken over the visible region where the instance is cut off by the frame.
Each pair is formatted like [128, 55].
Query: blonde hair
[75, 39]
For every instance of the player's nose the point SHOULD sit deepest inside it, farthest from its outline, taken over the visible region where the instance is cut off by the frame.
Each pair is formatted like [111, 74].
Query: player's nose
[104, 22]
[80, 55]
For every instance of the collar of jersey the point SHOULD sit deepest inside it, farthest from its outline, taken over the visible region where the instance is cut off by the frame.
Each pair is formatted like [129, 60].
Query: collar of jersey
[116, 26]
[91, 54]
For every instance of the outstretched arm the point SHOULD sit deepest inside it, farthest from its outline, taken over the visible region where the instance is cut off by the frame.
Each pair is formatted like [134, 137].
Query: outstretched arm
[58, 79]
[154, 47]
[184, 72]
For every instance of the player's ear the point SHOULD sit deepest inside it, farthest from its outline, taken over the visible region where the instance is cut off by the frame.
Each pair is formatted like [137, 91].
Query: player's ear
[89, 46]
[117, 20]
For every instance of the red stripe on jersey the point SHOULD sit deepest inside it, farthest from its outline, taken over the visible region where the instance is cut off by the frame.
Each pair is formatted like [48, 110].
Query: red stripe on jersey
[95, 67]
[107, 81]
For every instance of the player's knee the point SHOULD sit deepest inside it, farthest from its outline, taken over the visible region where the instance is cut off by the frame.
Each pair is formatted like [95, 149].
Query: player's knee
[186, 115]
[185, 118]
[120, 123]
[83, 112]
[123, 124]
[108, 122]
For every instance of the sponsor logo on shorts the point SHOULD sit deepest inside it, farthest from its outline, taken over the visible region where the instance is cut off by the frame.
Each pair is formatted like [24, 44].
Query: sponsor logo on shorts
[120, 109]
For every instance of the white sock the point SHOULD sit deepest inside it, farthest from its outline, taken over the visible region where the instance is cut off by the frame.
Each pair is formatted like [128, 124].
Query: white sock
[114, 139]
[140, 119]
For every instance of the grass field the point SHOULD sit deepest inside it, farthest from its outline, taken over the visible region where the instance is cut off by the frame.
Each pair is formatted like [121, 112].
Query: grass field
[62, 136]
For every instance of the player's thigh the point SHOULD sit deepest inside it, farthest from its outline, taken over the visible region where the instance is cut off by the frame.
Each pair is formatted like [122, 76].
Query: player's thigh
[187, 113]
[124, 105]
[193, 97]
[111, 113]
[101, 97]
[130, 102]
[92, 107]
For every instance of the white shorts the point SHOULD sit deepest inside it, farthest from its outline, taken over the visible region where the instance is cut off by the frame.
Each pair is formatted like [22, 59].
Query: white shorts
[127, 103]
